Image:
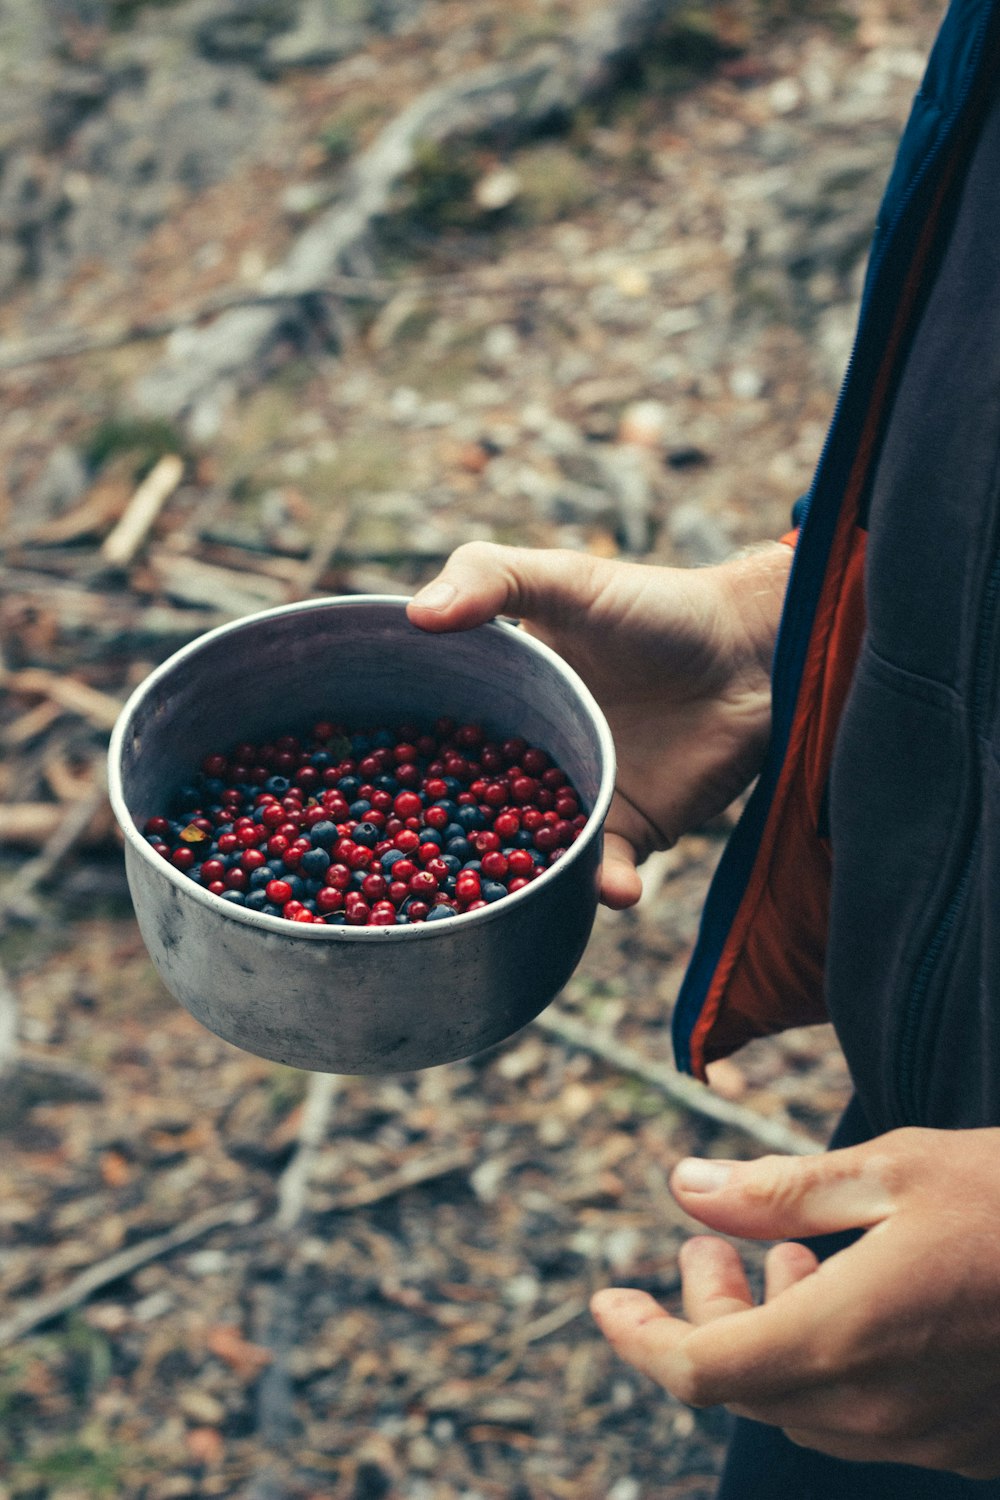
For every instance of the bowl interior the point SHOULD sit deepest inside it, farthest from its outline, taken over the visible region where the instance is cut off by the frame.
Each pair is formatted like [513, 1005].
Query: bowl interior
[359, 662]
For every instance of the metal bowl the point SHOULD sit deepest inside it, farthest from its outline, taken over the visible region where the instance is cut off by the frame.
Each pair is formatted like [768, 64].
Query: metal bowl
[357, 999]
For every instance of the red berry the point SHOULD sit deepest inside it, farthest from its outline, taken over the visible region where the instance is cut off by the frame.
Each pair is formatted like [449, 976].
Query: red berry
[520, 862]
[407, 804]
[358, 914]
[507, 824]
[338, 876]
[417, 910]
[212, 869]
[182, 858]
[494, 864]
[278, 892]
[328, 899]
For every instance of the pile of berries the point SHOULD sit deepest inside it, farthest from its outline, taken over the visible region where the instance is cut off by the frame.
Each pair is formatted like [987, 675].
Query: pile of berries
[371, 830]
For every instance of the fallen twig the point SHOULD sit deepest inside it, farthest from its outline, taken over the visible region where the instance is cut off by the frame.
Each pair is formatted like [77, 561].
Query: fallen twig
[122, 1263]
[685, 1091]
[294, 1183]
[121, 544]
[412, 1174]
[100, 709]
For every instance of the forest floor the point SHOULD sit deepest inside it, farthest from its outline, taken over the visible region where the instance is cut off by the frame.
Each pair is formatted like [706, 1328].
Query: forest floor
[622, 334]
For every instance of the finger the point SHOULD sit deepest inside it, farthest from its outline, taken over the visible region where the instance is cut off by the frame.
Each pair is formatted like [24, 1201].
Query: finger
[714, 1281]
[777, 1197]
[639, 1330]
[621, 884]
[481, 580]
[786, 1264]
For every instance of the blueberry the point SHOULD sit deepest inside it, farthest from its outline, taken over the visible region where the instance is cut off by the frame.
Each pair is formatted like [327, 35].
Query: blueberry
[235, 898]
[449, 807]
[336, 919]
[321, 759]
[358, 810]
[427, 836]
[297, 884]
[349, 786]
[451, 864]
[314, 863]
[365, 834]
[324, 835]
[275, 868]
[277, 785]
[460, 849]
[313, 887]
[470, 818]
[492, 890]
[385, 783]
[270, 910]
[453, 784]
[523, 839]
[259, 878]
[257, 901]
[438, 913]
[390, 857]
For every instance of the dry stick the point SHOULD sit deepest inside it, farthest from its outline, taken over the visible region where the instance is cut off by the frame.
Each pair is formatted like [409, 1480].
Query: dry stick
[412, 1174]
[100, 709]
[684, 1091]
[74, 821]
[27, 825]
[121, 544]
[122, 1263]
[294, 1181]
[277, 1312]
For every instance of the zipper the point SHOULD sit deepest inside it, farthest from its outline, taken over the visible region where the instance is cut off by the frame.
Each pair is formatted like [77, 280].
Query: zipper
[914, 1009]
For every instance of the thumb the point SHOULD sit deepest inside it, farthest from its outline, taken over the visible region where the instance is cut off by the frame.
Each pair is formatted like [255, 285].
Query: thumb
[482, 579]
[778, 1197]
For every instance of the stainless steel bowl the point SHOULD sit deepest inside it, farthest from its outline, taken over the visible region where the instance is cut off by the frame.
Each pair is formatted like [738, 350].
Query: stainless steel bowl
[357, 1000]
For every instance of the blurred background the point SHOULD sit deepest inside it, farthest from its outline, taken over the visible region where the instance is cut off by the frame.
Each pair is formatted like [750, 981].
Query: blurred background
[298, 295]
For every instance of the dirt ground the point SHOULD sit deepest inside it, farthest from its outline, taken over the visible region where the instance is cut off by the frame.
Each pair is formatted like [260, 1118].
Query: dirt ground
[622, 335]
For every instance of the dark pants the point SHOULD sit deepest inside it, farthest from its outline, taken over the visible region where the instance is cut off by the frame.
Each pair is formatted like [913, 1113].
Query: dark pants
[763, 1465]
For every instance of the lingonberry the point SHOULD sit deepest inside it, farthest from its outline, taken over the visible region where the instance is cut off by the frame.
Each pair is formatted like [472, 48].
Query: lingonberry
[407, 827]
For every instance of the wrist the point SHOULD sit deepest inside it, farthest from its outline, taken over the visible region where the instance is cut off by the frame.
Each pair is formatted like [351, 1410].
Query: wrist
[755, 582]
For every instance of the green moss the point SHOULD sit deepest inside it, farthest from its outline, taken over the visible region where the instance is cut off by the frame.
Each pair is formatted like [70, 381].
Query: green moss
[148, 440]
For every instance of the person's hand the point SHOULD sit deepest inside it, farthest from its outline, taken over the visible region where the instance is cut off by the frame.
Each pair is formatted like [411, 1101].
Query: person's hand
[679, 660]
[887, 1352]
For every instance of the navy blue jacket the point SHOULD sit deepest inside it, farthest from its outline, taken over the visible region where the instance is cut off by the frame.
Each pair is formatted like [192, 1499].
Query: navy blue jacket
[857, 882]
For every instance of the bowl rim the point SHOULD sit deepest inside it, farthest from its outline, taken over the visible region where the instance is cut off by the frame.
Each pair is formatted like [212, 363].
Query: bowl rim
[320, 931]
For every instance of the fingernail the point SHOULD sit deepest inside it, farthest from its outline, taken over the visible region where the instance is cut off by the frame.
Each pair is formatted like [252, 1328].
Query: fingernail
[693, 1175]
[436, 595]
